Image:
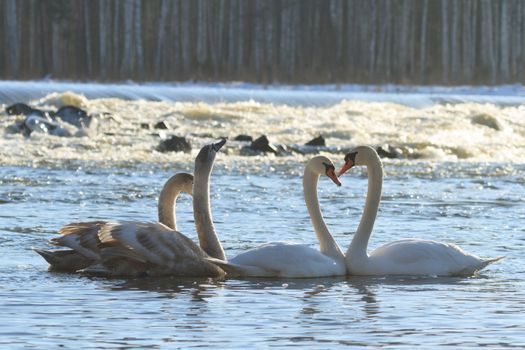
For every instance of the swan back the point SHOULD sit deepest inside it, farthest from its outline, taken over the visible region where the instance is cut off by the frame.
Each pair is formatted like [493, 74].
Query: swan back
[423, 257]
[286, 259]
[155, 248]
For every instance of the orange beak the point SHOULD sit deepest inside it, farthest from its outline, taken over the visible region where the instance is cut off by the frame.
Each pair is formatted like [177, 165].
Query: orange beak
[331, 174]
[349, 163]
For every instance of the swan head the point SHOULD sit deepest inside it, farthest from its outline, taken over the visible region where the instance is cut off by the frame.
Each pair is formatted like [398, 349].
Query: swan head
[206, 156]
[186, 182]
[358, 156]
[323, 165]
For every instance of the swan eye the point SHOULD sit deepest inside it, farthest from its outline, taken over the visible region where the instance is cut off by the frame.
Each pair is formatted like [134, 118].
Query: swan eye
[328, 168]
[351, 156]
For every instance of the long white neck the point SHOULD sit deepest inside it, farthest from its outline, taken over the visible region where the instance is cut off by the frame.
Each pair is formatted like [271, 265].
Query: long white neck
[168, 198]
[359, 243]
[327, 244]
[208, 239]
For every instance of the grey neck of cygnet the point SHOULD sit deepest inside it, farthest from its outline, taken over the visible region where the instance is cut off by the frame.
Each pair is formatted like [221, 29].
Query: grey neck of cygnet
[208, 239]
[167, 201]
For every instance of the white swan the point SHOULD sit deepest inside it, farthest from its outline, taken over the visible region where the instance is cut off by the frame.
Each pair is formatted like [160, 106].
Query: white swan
[286, 259]
[403, 257]
[147, 248]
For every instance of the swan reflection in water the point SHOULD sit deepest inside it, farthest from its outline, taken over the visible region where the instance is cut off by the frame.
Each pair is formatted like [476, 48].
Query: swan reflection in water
[305, 302]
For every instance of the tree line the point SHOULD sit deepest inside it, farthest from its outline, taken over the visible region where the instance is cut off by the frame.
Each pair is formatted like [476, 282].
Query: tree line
[265, 41]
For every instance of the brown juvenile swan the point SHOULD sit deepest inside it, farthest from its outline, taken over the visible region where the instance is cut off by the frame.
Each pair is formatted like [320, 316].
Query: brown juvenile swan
[82, 237]
[147, 248]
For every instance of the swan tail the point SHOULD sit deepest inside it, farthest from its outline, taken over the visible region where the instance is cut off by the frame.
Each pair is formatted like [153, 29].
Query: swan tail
[468, 271]
[231, 270]
[489, 261]
[64, 260]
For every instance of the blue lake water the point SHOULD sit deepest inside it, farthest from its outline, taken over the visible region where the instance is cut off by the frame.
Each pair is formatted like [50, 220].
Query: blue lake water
[476, 202]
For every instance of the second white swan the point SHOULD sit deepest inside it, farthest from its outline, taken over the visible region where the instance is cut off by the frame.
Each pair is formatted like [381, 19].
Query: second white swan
[293, 260]
[403, 257]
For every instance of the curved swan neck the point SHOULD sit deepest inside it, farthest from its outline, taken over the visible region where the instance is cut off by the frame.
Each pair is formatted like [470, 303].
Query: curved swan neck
[167, 199]
[327, 244]
[208, 239]
[364, 230]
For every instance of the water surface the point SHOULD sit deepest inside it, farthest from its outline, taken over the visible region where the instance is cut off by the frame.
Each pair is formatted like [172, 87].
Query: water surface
[475, 201]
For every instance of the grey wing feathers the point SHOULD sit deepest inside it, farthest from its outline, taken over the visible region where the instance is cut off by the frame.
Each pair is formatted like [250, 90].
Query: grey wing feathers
[130, 248]
[160, 250]
[81, 237]
[152, 242]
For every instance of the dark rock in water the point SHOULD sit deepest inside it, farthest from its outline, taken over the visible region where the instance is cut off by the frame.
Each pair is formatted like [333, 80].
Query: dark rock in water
[41, 121]
[162, 125]
[243, 138]
[23, 109]
[74, 116]
[389, 152]
[19, 109]
[175, 144]
[70, 110]
[19, 128]
[302, 149]
[283, 150]
[488, 121]
[318, 141]
[35, 123]
[203, 135]
[144, 126]
[262, 144]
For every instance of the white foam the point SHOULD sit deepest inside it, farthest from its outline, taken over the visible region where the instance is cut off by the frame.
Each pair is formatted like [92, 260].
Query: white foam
[483, 132]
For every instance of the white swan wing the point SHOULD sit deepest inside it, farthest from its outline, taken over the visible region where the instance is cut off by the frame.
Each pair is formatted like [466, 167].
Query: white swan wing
[285, 259]
[424, 257]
